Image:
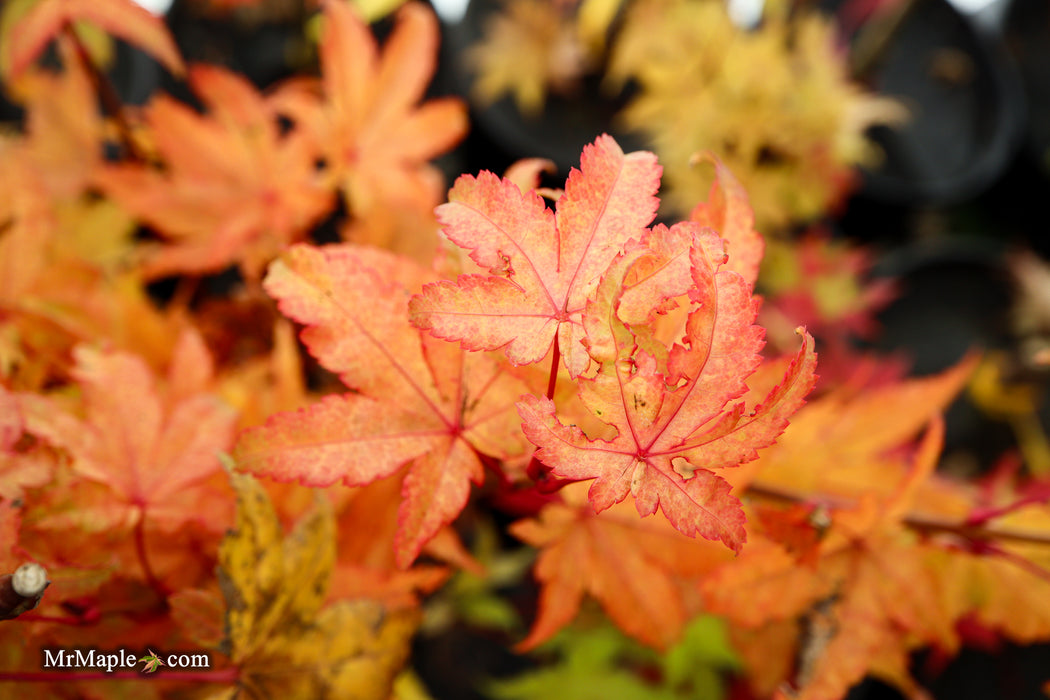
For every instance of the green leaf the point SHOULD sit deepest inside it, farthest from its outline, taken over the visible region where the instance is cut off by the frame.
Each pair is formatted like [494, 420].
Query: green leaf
[589, 668]
[601, 663]
[704, 641]
[696, 660]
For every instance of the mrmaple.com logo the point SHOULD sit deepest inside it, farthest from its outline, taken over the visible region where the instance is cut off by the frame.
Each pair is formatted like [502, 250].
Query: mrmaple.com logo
[121, 659]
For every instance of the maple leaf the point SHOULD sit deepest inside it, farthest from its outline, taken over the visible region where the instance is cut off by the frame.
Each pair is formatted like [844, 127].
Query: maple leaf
[21, 465]
[28, 222]
[630, 566]
[854, 435]
[866, 589]
[679, 412]
[152, 662]
[821, 284]
[376, 138]
[997, 582]
[845, 449]
[527, 48]
[782, 114]
[728, 211]
[871, 597]
[43, 21]
[415, 399]
[283, 641]
[888, 589]
[234, 188]
[63, 125]
[544, 265]
[11, 421]
[152, 448]
[527, 173]
[44, 173]
[367, 560]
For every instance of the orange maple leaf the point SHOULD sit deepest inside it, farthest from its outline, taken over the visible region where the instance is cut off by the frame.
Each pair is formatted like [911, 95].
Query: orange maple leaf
[45, 170]
[844, 451]
[376, 137]
[63, 125]
[544, 265]
[151, 447]
[123, 18]
[633, 567]
[21, 466]
[366, 564]
[866, 590]
[233, 188]
[28, 222]
[854, 435]
[416, 399]
[679, 412]
[728, 211]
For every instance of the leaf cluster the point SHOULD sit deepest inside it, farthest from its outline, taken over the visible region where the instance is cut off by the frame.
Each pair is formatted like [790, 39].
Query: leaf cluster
[548, 360]
[773, 98]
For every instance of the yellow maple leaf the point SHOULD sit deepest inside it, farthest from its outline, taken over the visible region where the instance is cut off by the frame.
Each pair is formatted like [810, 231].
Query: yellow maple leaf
[774, 103]
[284, 642]
[527, 48]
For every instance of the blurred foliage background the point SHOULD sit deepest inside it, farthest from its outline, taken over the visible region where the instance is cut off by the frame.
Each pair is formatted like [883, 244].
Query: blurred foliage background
[897, 154]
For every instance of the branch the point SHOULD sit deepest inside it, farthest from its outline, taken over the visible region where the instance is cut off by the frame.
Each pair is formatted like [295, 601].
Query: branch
[21, 591]
[225, 675]
[140, 548]
[919, 522]
[111, 102]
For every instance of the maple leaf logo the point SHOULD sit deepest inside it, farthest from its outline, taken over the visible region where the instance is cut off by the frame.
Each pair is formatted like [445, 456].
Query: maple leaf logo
[152, 662]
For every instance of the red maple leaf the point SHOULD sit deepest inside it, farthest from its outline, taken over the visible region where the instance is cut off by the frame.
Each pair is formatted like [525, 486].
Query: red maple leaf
[679, 412]
[544, 265]
[416, 399]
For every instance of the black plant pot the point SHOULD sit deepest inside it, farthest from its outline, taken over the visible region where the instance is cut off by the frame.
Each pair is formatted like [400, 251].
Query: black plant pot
[966, 104]
[954, 296]
[1027, 36]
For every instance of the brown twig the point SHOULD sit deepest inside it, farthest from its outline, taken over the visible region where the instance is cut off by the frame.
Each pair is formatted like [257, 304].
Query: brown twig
[927, 524]
[140, 549]
[224, 675]
[111, 103]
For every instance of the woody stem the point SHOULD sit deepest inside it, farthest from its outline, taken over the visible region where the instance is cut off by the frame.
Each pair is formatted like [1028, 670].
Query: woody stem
[915, 521]
[73, 620]
[140, 550]
[111, 102]
[224, 675]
